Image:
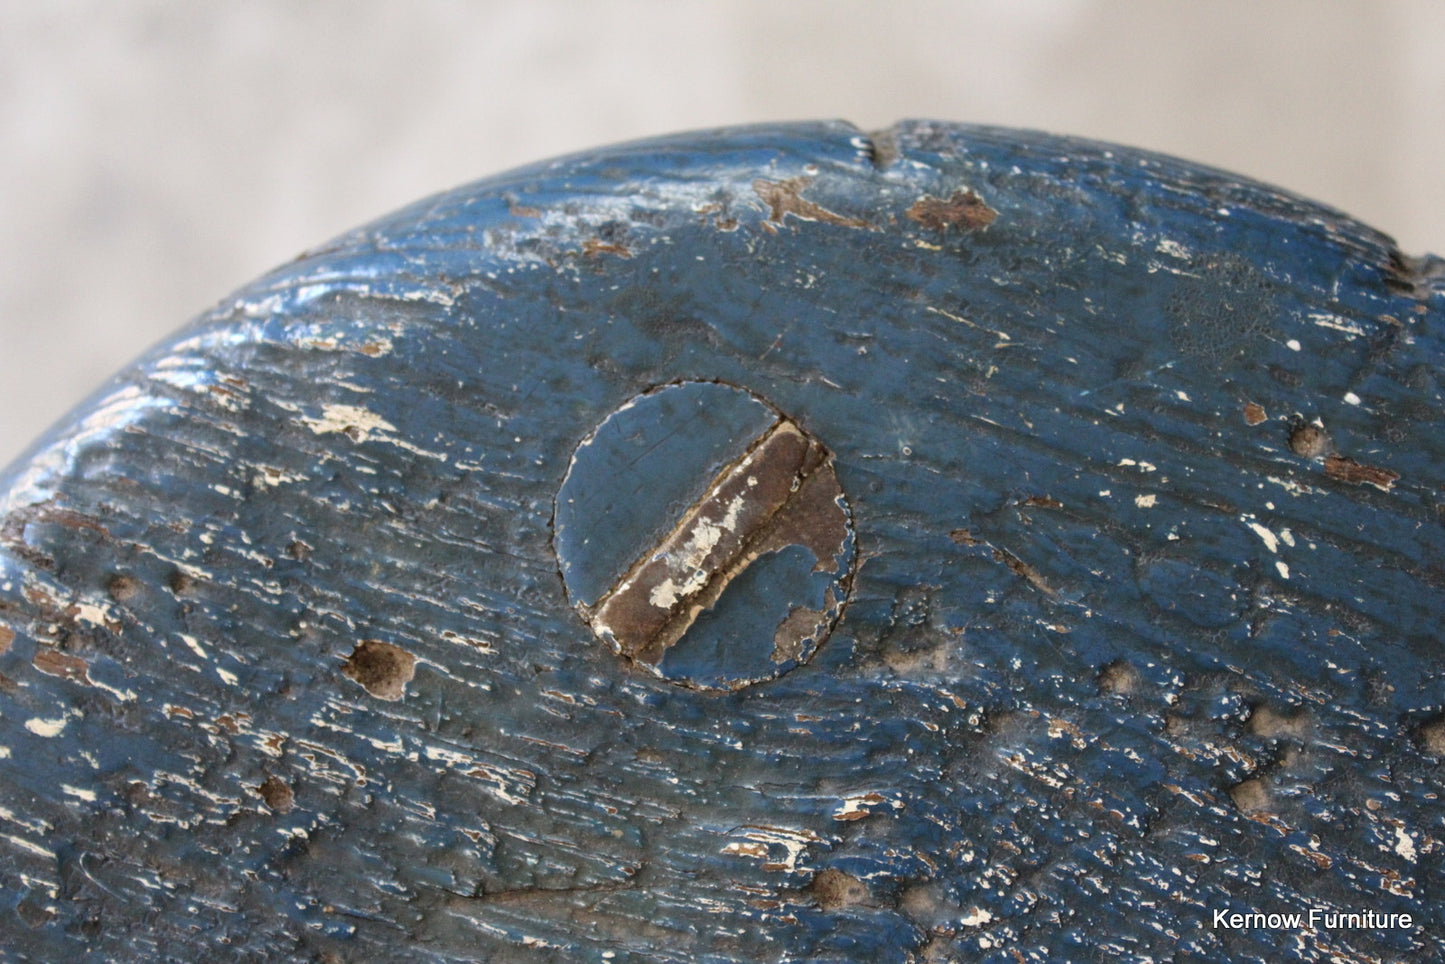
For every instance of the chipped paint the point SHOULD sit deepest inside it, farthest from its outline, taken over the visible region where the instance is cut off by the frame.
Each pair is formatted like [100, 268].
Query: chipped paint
[80, 793]
[1270, 540]
[763, 843]
[1348, 470]
[194, 645]
[859, 805]
[92, 614]
[1173, 249]
[352, 420]
[963, 209]
[29, 846]
[976, 917]
[785, 199]
[1337, 323]
[46, 728]
[1405, 845]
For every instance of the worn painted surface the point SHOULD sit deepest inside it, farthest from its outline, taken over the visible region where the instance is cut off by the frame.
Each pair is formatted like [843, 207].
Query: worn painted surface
[1145, 465]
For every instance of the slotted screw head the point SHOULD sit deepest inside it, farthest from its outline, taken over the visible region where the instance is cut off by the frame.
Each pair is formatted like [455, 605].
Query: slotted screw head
[704, 536]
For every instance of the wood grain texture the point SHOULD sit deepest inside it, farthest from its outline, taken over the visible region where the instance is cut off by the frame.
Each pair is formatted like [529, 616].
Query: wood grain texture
[289, 671]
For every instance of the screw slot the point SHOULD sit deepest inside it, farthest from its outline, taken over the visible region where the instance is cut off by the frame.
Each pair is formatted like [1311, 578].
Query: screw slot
[704, 536]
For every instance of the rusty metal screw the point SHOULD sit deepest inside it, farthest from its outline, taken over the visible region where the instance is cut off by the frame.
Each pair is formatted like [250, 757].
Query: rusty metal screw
[704, 536]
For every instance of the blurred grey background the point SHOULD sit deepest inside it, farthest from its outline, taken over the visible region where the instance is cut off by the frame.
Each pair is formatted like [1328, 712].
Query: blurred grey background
[154, 156]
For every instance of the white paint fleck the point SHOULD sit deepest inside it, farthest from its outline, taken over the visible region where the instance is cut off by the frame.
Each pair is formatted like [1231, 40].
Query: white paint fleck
[87, 795]
[4, 753]
[1286, 537]
[33, 824]
[1146, 501]
[341, 418]
[194, 645]
[1283, 569]
[976, 917]
[760, 840]
[1351, 398]
[1182, 396]
[701, 542]
[1269, 538]
[665, 594]
[1293, 344]
[863, 804]
[1404, 844]
[374, 345]
[46, 728]
[1326, 320]
[34, 848]
[270, 477]
[1294, 488]
[89, 613]
[123, 696]
[1104, 493]
[227, 677]
[1172, 248]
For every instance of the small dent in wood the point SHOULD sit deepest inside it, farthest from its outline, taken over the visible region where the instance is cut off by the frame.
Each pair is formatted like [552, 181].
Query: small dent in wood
[1119, 678]
[122, 588]
[1271, 724]
[834, 889]
[1431, 736]
[382, 668]
[1309, 441]
[278, 794]
[1251, 796]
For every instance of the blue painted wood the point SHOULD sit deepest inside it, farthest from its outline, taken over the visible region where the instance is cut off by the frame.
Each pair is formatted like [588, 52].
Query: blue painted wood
[1145, 466]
